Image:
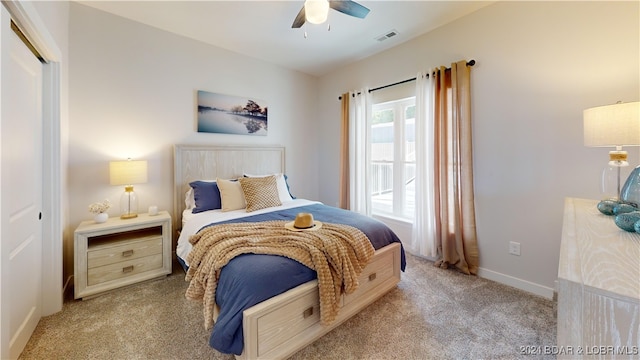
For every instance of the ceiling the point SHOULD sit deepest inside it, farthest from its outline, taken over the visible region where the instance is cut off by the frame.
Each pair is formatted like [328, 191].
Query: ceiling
[262, 29]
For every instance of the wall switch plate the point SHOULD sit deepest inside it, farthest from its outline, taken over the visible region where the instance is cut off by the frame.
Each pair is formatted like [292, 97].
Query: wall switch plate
[514, 248]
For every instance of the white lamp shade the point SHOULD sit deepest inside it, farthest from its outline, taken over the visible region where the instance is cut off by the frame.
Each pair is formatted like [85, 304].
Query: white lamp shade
[612, 125]
[316, 11]
[127, 172]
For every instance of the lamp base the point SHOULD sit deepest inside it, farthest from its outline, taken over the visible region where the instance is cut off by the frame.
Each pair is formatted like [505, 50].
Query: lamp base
[128, 203]
[613, 176]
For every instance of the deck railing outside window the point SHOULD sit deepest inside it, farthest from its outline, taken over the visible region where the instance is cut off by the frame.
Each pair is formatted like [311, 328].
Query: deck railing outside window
[382, 189]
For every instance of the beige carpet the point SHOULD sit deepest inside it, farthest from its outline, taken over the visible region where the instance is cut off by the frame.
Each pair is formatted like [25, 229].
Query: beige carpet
[432, 314]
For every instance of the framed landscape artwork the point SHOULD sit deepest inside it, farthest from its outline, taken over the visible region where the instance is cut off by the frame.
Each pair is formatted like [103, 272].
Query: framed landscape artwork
[226, 114]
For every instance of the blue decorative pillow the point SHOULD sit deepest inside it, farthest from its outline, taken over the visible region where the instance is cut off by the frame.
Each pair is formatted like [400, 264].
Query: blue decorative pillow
[206, 195]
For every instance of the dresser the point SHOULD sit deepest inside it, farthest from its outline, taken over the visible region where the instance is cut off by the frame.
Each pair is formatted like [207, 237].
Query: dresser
[121, 252]
[598, 285]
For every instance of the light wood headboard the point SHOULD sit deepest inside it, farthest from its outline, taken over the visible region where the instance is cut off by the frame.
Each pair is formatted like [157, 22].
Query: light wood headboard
[208, 162]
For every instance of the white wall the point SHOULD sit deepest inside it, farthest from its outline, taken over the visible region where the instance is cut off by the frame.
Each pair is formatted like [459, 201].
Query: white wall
[133, 95]
[538, 66]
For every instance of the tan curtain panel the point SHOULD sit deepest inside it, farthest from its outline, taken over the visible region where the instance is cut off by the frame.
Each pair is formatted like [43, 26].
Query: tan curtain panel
[343, 201]
[454, 200]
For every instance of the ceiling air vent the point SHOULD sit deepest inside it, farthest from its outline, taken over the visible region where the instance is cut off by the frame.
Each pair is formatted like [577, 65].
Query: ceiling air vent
[387, 35]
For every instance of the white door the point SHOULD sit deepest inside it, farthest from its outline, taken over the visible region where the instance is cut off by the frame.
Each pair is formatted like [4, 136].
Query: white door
[21, 186]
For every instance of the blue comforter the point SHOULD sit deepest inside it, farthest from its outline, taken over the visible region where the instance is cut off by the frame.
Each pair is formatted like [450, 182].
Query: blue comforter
[252, 278]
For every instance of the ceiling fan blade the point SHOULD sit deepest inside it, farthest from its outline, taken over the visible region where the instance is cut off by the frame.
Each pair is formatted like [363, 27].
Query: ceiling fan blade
[300, 19]
[349, 7]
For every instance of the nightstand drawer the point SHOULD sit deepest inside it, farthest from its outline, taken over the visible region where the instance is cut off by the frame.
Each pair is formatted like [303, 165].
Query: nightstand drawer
[123, 269]
[128, 251]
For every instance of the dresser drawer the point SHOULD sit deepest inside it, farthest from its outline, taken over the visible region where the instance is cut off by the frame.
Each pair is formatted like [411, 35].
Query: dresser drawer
[376, 272]
[105, 255]
[280, 325]
[123, 269]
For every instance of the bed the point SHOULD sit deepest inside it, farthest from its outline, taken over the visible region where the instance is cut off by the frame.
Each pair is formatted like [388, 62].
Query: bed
[277, 324]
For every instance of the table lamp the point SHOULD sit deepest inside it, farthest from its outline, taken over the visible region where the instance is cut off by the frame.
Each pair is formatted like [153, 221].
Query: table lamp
[127, 173]
[616, 126]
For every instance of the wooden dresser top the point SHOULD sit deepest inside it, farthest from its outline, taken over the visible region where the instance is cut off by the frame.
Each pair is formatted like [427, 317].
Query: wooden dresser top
[596, 253]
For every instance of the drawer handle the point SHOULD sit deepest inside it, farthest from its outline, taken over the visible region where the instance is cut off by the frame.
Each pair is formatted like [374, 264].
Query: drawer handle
[307, 313]
[127, 269]
[372, 277]
[127, 253]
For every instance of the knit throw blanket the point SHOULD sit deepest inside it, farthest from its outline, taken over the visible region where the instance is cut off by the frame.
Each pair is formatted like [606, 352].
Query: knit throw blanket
[338, 253]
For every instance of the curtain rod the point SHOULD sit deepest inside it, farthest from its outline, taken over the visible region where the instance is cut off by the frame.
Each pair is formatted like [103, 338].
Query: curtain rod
[469, 63]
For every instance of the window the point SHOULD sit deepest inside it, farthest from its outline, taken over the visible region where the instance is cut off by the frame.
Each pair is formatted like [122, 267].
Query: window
[393, 160]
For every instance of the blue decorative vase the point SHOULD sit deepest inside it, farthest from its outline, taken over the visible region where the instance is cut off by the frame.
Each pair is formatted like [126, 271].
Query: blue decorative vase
[630, 192]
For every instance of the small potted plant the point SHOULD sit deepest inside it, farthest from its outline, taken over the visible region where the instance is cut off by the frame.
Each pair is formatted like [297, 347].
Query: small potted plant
[99, 210]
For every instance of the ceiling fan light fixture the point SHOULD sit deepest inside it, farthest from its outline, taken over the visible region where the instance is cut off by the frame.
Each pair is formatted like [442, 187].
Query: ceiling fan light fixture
[316, 11]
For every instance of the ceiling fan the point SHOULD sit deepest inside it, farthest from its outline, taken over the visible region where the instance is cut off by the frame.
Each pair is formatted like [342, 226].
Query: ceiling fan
[316, 11]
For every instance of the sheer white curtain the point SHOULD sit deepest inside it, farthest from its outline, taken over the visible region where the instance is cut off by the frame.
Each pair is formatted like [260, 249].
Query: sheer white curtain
[423, 237]
[360, 151]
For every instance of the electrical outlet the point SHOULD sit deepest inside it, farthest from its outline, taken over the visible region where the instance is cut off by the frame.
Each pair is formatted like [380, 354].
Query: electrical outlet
[514, 248]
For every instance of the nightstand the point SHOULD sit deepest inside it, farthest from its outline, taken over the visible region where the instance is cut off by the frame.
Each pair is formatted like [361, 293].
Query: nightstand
[121, 252]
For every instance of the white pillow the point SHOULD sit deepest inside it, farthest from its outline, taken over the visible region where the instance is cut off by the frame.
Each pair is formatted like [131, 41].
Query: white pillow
[231, 195]
[189, 200]
[283, 190]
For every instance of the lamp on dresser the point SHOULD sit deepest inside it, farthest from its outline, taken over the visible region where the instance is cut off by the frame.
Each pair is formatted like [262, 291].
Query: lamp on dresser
[128, 173]
[616, 126]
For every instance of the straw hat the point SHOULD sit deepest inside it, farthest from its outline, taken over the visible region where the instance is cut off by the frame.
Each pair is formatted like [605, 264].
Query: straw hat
[303, 222]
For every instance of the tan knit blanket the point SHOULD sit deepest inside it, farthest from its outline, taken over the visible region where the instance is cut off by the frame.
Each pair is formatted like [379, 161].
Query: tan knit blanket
[338, 253]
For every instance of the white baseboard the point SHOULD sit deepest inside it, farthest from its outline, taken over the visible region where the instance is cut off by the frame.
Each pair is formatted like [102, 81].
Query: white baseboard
[509, 280]
[403, 230]
[525, 285]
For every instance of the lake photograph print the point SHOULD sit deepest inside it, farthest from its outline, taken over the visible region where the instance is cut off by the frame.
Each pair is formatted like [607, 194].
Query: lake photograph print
[227, 114]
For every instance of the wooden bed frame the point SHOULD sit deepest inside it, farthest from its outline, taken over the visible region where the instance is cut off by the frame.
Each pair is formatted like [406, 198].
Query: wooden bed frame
[280, 326]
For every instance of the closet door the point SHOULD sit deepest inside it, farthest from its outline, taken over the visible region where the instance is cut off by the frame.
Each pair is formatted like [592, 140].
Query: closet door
[21, 186]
